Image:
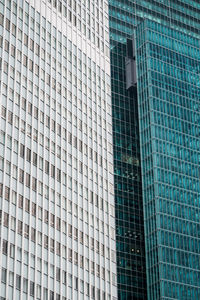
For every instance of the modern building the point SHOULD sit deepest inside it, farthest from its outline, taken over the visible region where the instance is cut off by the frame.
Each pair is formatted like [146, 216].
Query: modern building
[131, 269]
[168, 69]
[155, 55]
[57, 226]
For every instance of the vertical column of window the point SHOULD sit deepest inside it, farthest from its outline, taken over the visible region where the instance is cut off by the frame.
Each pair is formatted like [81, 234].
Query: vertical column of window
[15, 158]
[81, 166]
[49, 176]
[75, 177]
[100, 116]
[12, 183]
[48, 156]
[88, 21]
[100, 261]
[152, 172]
[21, 159]
[106, 33]
[61, 240]
[102, 171]
[105, 197]
[69, 11]
[140, 67]
[72, 153]
[102, 21]
[26, 280]
[38, 146]
[2, 41]
[11, 237]
[91, 101]
[64, 153]
[69, 155]
[98, 190]
[79, 181]
[98, 22]
[24, 92]
[51, 150]
[52, 233]
[88, 159]
[109, 187]
[79, 19]
[58, 179]
[79, 159]
[34, 164]
[4, 125]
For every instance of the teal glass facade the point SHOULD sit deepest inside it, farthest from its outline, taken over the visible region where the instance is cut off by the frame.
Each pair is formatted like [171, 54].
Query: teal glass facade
[127, 170]
[168, 96]
[168, 65]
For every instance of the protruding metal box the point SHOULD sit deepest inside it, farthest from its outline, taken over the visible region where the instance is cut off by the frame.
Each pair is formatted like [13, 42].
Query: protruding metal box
[131, 80]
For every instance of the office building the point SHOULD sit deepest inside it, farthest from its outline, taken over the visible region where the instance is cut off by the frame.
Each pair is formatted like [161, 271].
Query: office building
[155, 52]
[57, 223]
[131, 267]
[169, 117]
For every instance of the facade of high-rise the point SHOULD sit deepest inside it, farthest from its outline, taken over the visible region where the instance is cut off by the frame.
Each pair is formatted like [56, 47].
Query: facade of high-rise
[57, 226]
[168, 68]
[155, 55]
[127, 170]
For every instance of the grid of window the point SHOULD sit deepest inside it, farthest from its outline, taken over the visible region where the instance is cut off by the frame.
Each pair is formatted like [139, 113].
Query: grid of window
[56, 181]
[168, 90]
[127, 171]
[182, 15]
[89, 17]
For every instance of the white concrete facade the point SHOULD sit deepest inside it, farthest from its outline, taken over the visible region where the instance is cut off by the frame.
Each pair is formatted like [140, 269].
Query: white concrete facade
[56, 161]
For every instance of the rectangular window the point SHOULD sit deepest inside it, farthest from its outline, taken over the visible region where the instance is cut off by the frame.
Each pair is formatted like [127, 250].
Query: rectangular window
[21, 176]
[20, 201]
[33, 209]
[26, 231]
[58, 274]
[32, 288]
[25, 285]
[6, 219]
[20, 227]
[51, 295]
[70, 255]
[12, 251]
[58, 247]
[76, 283]
[5, 247]
[3, 275]
[18, 282]
[52, 245]
[28, 154]
[33, 234]
[46, 241]
[58, 222]
[27, 205]
[7, 193]
[28, 180]
[11, 278]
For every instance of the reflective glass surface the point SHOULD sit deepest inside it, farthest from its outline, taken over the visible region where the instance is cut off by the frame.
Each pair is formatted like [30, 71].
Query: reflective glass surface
[127, 170]
[168, 66]
[181, 19]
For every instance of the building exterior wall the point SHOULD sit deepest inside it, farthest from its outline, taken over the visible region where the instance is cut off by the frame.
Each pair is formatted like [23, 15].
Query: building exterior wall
[125, 19]
[168, 97]
[56, 162]
[127, 170]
